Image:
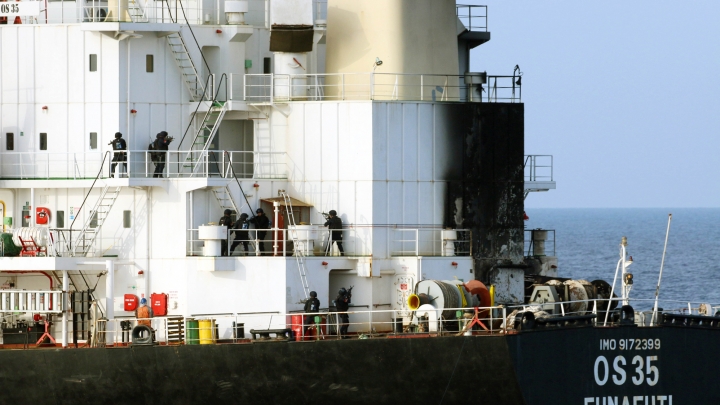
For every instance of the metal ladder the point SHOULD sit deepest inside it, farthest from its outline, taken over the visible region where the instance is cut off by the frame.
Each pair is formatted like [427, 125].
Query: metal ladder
[137, 14]
[85, 241]
[190, 75]
[298, 253]
[224, 198]
[205, 135]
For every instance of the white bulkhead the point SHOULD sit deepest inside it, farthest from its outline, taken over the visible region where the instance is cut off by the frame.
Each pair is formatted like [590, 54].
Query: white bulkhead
[382, 160]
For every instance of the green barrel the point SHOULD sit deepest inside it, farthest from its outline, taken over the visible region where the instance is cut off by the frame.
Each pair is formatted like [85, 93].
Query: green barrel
[192, 332]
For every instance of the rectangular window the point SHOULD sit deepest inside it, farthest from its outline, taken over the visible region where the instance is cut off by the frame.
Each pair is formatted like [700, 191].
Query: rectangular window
[60, 219]
[93, 220]
[93, 140]
[93, 62]
[9, 141]
[43, 141]
[126, 219]
[267, 67]
[149, 63]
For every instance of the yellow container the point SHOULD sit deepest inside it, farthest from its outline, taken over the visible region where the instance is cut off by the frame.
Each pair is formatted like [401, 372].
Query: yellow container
[206, 328]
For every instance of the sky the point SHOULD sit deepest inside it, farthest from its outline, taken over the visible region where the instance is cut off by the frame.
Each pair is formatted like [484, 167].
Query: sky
[623, 94]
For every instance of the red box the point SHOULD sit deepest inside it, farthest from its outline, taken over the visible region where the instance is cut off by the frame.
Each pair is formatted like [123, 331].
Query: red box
[296, 322]
[131, 302]
[159, 303]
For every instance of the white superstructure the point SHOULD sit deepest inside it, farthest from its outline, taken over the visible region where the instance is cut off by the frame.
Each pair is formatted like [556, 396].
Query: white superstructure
[370, 137]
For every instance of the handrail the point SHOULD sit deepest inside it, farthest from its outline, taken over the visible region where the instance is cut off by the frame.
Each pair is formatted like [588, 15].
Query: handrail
[173, 19]
[272, 88]
[194, 38]
[193, 115]
[213, 103]
[87, 195]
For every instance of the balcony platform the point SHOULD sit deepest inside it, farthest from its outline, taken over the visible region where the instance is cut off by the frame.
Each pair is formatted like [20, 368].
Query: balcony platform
[187, 182]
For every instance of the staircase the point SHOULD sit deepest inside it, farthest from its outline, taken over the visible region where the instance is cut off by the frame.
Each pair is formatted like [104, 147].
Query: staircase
[137, 14]
[190, 75]
[224, 198]
[205, 135]
[85, 241]
[297, 253]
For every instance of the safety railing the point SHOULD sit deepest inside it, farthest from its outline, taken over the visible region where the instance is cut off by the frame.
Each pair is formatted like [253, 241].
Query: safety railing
[362, 323]
[430, 242]
[37, 301]
[474, 18]
[142, 164]
[48, 165]
[276, 88]
[143, 11]
[538, 168]
[316, 240]
[367, 321]
[309, 243]
[640, 312]
[540, 242]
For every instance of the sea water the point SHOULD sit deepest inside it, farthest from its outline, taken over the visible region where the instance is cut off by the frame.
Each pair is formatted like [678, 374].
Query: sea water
[588, 247]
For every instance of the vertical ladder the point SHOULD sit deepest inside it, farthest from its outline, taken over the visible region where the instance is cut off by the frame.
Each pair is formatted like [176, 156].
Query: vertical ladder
[224, 198]
[298, 253]
[205, 135]
[190, 75]
[86, 239]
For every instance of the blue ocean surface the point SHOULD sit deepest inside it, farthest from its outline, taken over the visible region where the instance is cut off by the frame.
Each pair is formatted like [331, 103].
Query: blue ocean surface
[588, 247]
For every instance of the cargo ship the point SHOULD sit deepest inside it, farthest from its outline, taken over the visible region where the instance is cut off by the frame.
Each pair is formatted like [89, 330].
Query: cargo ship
[351, 155]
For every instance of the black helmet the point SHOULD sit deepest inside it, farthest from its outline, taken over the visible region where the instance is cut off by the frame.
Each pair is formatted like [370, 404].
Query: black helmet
[243, 215]
[259, 211]
[313, 294]
[163, 133]
[228, 212]
[159, 135]
[342, 291]
[333, 212]
[118, 135]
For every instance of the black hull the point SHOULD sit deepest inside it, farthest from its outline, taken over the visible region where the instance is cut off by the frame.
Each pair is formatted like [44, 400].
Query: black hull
[536, 367]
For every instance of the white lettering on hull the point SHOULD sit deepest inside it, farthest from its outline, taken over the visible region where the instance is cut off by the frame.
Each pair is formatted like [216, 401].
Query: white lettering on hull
[633, 400]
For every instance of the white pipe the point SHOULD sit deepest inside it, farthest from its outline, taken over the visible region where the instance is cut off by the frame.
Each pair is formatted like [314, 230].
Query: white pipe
[662, 264]
[109, 300]
[382, 272]
[31, 223]
[612, 291]
[65, 308]
[276, 204]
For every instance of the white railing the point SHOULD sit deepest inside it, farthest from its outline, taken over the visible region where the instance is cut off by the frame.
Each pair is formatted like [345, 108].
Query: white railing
[276, 88]
[49, 165]
[140, 164]
[33, 301]
[474, 18]
[538, 168]
[403, 241]
[367, 321]
[355, 243]
[430, 242]
[144, 11]
[236, 327]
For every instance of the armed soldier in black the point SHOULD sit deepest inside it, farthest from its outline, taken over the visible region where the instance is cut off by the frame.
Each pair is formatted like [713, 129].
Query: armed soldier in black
[262, 223]
[342, 304]
[225, 220]
[312, 305]
[118, 144]
[335, 226]
[242, 235]
[161, 147]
